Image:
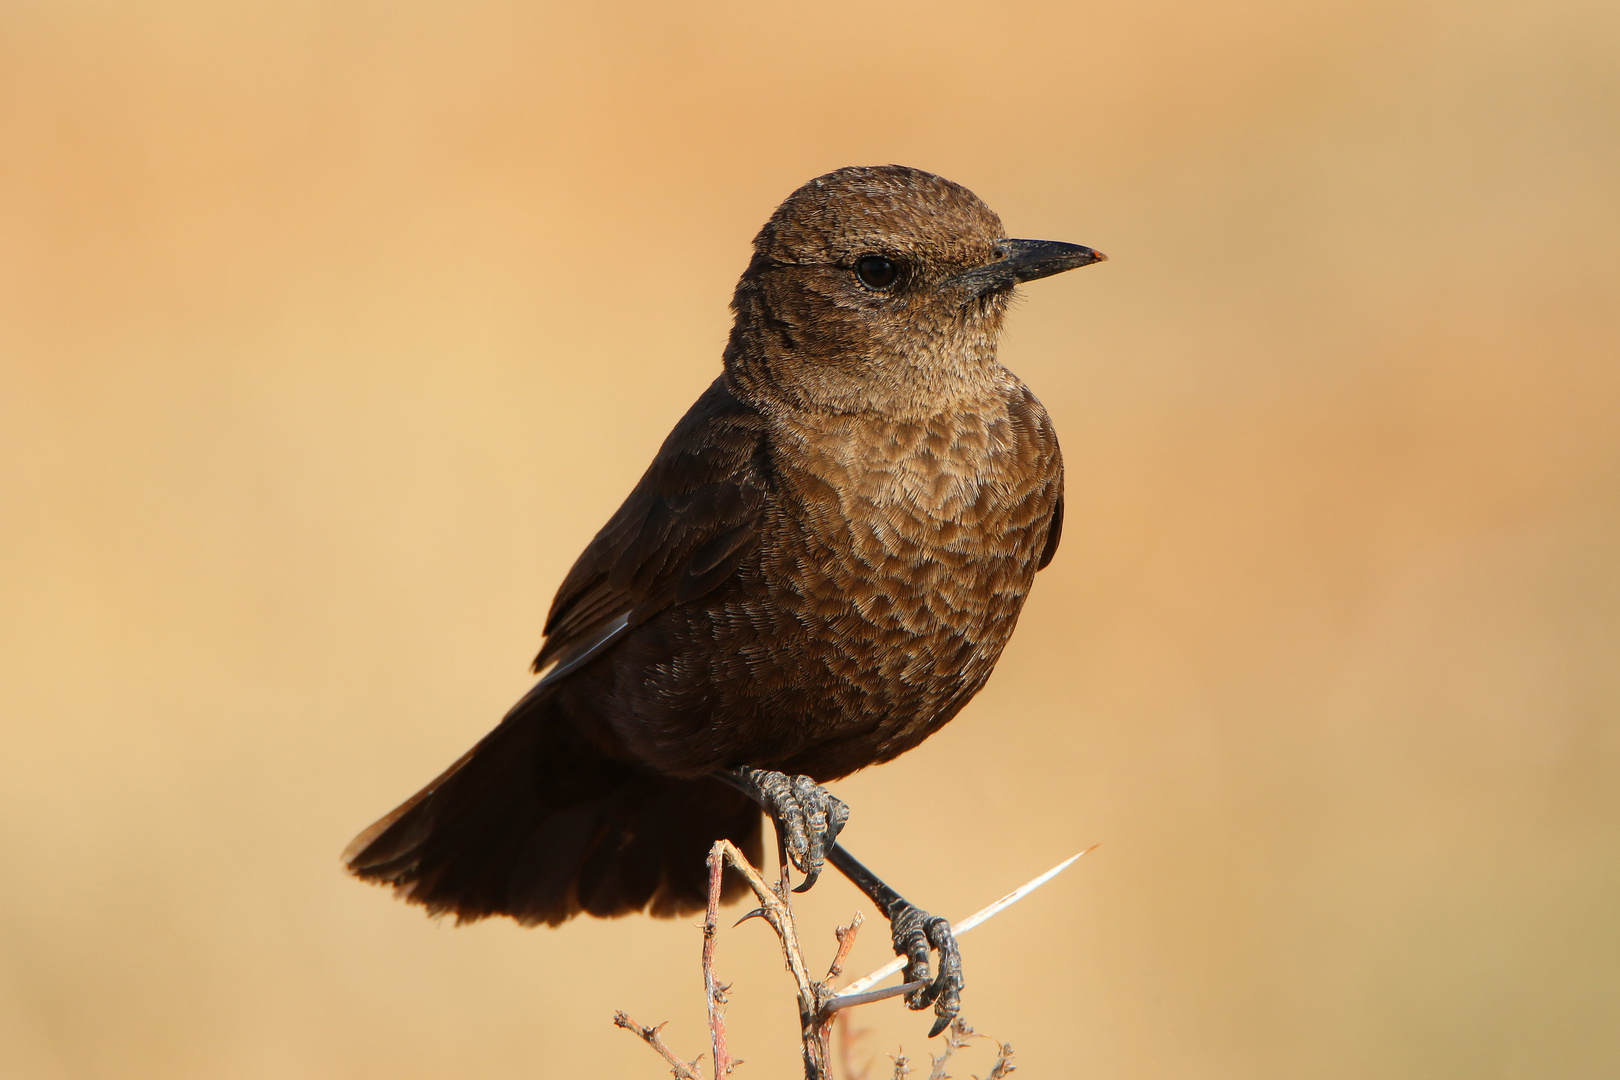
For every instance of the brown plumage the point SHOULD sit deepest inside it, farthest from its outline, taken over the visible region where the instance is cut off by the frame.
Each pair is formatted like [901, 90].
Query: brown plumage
[820, 567]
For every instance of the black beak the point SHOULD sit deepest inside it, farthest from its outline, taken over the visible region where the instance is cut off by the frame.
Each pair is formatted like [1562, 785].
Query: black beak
[1025, 260]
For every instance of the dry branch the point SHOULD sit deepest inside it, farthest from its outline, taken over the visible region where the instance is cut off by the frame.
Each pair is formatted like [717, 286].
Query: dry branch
[713, 991]
[1004, 1066]
[774, 907]
[818, 1005]
[681, 1070]
[957, 1036]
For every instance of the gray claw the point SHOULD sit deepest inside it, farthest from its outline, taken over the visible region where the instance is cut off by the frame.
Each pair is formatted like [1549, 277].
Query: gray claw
[916, 934]
[807, 816]
[947, 986]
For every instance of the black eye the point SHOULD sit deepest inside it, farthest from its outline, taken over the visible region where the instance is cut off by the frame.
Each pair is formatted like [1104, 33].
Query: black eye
[876, 272]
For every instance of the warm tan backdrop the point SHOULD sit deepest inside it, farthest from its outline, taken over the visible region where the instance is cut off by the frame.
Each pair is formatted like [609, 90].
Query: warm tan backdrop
[329, 332]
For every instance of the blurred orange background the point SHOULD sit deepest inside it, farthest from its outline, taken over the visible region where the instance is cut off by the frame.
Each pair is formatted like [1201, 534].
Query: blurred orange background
[330, 332]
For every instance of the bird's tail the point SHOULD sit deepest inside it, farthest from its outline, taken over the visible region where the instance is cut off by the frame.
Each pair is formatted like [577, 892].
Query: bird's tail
[538, 823]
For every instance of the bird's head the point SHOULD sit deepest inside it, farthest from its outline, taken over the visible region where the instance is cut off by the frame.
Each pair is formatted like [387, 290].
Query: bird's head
[880, 288]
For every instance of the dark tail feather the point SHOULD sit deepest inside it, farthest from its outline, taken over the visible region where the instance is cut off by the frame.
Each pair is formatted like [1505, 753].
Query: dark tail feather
[537, 823]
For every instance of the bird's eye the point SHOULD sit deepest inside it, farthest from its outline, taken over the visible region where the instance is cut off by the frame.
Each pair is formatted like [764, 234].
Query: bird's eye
[876, 272]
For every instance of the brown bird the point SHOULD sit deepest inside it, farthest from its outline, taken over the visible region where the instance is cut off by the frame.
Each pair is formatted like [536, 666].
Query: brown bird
[819, 569]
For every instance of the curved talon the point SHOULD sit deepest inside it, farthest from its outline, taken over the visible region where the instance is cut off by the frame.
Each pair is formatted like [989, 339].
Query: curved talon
[947, 987]
[911, 942]
[916, 934]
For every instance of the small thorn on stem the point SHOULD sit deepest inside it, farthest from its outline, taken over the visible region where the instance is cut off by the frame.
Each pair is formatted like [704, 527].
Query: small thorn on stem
[681, 1070]
[757, 913]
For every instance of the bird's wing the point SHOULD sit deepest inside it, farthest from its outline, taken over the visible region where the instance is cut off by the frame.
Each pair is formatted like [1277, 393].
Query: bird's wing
[688, 525]
[1054, 533]
[1047, 461]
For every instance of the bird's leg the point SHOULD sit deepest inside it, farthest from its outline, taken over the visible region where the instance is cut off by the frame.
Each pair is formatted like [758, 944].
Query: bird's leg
[807, 816]
[915, 932]
[808, 819]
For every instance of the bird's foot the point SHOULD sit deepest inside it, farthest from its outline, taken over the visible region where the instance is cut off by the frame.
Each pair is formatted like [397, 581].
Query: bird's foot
[808, 817]
[915, 933]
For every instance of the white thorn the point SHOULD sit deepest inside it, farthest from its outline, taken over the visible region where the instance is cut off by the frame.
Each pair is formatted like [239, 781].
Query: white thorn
[859, 986]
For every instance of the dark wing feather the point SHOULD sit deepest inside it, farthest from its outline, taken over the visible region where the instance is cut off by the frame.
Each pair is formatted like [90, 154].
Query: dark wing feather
[1054, 533]
[1028, 414]
[688, 525]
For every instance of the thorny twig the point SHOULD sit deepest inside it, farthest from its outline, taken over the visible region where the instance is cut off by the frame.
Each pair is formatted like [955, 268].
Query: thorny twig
[681, 1070]
[846, 942]
[818, 1005]
[1004, 1063]
[956, 1036]
[959, 1035]
[775, 909]
[713, 991]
